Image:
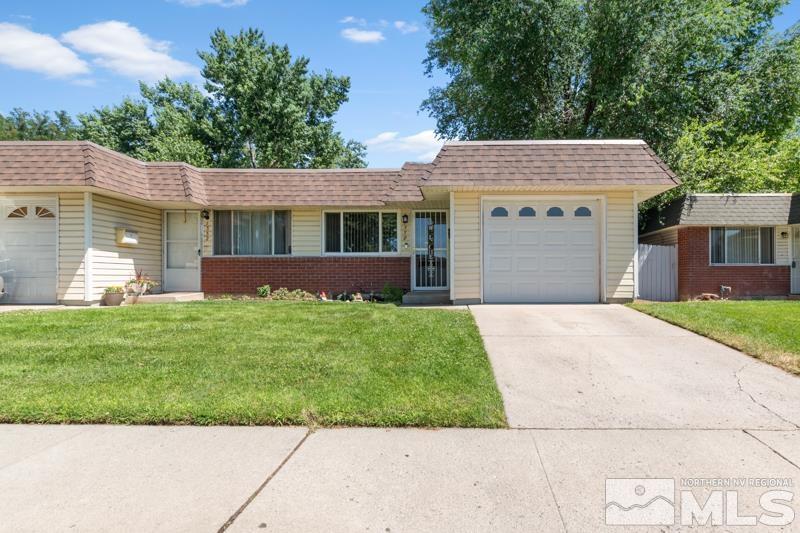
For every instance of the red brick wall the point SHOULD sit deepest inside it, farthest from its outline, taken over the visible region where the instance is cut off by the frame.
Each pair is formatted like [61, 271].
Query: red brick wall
[241, 275]
[696, 275]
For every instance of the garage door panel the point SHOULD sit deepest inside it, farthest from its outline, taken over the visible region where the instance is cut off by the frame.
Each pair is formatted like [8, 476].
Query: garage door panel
[527, 264]
[541, 258]
[527, 236]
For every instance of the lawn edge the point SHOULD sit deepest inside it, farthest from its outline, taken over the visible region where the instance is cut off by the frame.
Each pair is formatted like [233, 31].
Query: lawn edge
[772, 358]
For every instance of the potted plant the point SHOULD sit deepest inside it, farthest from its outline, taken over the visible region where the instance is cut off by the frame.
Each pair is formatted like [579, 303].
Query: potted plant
[113, 295]
[140, 284]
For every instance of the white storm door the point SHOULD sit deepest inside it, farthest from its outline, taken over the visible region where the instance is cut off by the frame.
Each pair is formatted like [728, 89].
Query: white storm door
[29, 249]
[182, 248]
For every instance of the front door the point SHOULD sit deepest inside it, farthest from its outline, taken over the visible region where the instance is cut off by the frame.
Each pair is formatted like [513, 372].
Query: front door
[430, 250]
[182, 249]
[795, 259]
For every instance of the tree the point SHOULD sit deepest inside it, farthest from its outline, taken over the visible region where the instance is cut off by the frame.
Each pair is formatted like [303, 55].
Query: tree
[608, 69]
[261, 109]
[20, 125]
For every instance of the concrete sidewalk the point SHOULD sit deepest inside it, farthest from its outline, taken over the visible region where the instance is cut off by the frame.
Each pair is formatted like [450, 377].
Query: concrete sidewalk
[117, 478]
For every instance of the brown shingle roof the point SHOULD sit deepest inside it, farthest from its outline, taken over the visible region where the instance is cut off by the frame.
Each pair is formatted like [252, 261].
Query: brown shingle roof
[478, 164]
[537, 163]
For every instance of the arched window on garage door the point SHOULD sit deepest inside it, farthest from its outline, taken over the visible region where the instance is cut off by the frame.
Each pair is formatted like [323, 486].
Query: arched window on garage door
[499, 212]
[583, 212]
[527, 212]
[555, 212]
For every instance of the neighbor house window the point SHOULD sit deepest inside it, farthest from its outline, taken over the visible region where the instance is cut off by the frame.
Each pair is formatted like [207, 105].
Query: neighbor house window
[252, 232]
[360, 232]
[745, 245]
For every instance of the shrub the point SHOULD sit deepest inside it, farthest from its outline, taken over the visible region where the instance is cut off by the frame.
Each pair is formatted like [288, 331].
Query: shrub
[264, 291]
[281, 294]
[114, 289]
[392, 294]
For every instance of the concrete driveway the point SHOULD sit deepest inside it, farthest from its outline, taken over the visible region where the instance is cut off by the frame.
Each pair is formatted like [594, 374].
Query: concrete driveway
[610, 367]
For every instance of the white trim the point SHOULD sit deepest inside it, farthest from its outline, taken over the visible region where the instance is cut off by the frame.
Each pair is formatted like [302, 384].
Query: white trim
[602, 230]
[635, 245]
[451, 253]
[546, 142]
[88, 250]
[380, 252]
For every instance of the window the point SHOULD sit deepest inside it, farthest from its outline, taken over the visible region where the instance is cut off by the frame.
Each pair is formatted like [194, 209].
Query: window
[20, 212]
[583, 212]
[527, 212]
[43, 212]
[499, 212]
[252, 232]
[744, 245]
[360, 232]
[555, 212]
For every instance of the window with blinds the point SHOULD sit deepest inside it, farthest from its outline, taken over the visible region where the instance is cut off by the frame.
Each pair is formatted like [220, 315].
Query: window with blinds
[252, 232]
[744, 245]
[360, 232]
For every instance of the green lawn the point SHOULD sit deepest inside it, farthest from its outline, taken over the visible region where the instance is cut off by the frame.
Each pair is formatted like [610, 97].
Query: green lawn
[233, 362]
[768, 330]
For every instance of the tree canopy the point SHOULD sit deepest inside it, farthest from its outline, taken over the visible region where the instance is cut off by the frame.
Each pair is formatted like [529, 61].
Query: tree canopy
[259, 108]
[694, 78]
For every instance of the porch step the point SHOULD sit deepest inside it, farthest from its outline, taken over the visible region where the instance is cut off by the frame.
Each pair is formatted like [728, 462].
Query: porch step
[426, 298]
[170, 297]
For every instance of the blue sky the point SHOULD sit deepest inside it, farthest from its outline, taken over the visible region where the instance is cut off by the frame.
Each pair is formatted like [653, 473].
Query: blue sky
[79, 55]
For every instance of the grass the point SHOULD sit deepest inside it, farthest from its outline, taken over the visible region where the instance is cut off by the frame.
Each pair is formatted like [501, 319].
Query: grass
[250, 363]
[767, 330]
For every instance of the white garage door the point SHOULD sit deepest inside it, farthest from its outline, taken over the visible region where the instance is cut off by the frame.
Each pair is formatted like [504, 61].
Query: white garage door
[541, 251]
[28, 248]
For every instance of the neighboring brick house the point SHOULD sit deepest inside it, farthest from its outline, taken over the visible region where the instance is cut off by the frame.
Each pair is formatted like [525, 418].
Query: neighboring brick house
[748, 242]
[504, 221]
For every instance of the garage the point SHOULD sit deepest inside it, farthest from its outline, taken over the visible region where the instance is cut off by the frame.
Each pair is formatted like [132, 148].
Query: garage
[29, 249]
[541, 250]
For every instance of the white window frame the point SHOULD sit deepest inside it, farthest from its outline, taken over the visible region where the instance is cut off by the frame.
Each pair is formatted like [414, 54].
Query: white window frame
[341, 213]
[759, 263]
[272, 233]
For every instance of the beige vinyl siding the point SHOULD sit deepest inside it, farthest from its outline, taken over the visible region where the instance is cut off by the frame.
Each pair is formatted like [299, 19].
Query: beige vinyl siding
[306, 231]
[114, 264]
[664, 237]
[782, 245]
[620, 245]
[466, 245]
[70, 248]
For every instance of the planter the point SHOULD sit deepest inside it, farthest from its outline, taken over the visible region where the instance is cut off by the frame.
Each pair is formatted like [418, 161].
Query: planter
[131, 299]
[113, 299]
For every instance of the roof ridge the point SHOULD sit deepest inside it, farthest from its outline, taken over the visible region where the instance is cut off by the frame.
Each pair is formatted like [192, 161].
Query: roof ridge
[88, 164]
[528, 142]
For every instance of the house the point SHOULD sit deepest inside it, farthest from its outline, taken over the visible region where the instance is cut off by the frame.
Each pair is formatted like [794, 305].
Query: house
[747, 242]
[505, 221]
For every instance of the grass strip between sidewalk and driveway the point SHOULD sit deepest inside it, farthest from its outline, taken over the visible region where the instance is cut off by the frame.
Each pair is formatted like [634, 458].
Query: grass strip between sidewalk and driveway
[767, 330]
[233, 362]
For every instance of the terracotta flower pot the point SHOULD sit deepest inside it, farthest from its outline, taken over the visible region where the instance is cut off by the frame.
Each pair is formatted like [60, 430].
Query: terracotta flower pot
[113, 299]
[131, 299]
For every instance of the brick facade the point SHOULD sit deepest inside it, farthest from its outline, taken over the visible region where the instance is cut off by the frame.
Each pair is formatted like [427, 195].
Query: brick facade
[241, 275]
[696, 275]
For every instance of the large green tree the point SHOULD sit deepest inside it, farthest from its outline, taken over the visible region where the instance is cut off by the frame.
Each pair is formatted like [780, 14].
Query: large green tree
[260, 108]
[652, 69]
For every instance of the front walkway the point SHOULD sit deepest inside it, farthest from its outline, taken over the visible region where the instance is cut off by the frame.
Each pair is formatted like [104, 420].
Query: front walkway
[610, 393]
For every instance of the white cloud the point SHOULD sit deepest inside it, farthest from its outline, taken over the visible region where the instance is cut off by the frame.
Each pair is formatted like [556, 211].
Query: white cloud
[353, 20]
[24, 49]
[406, 27]
[362, 36]
[221, 3]
[422, 146]
[124, 49]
